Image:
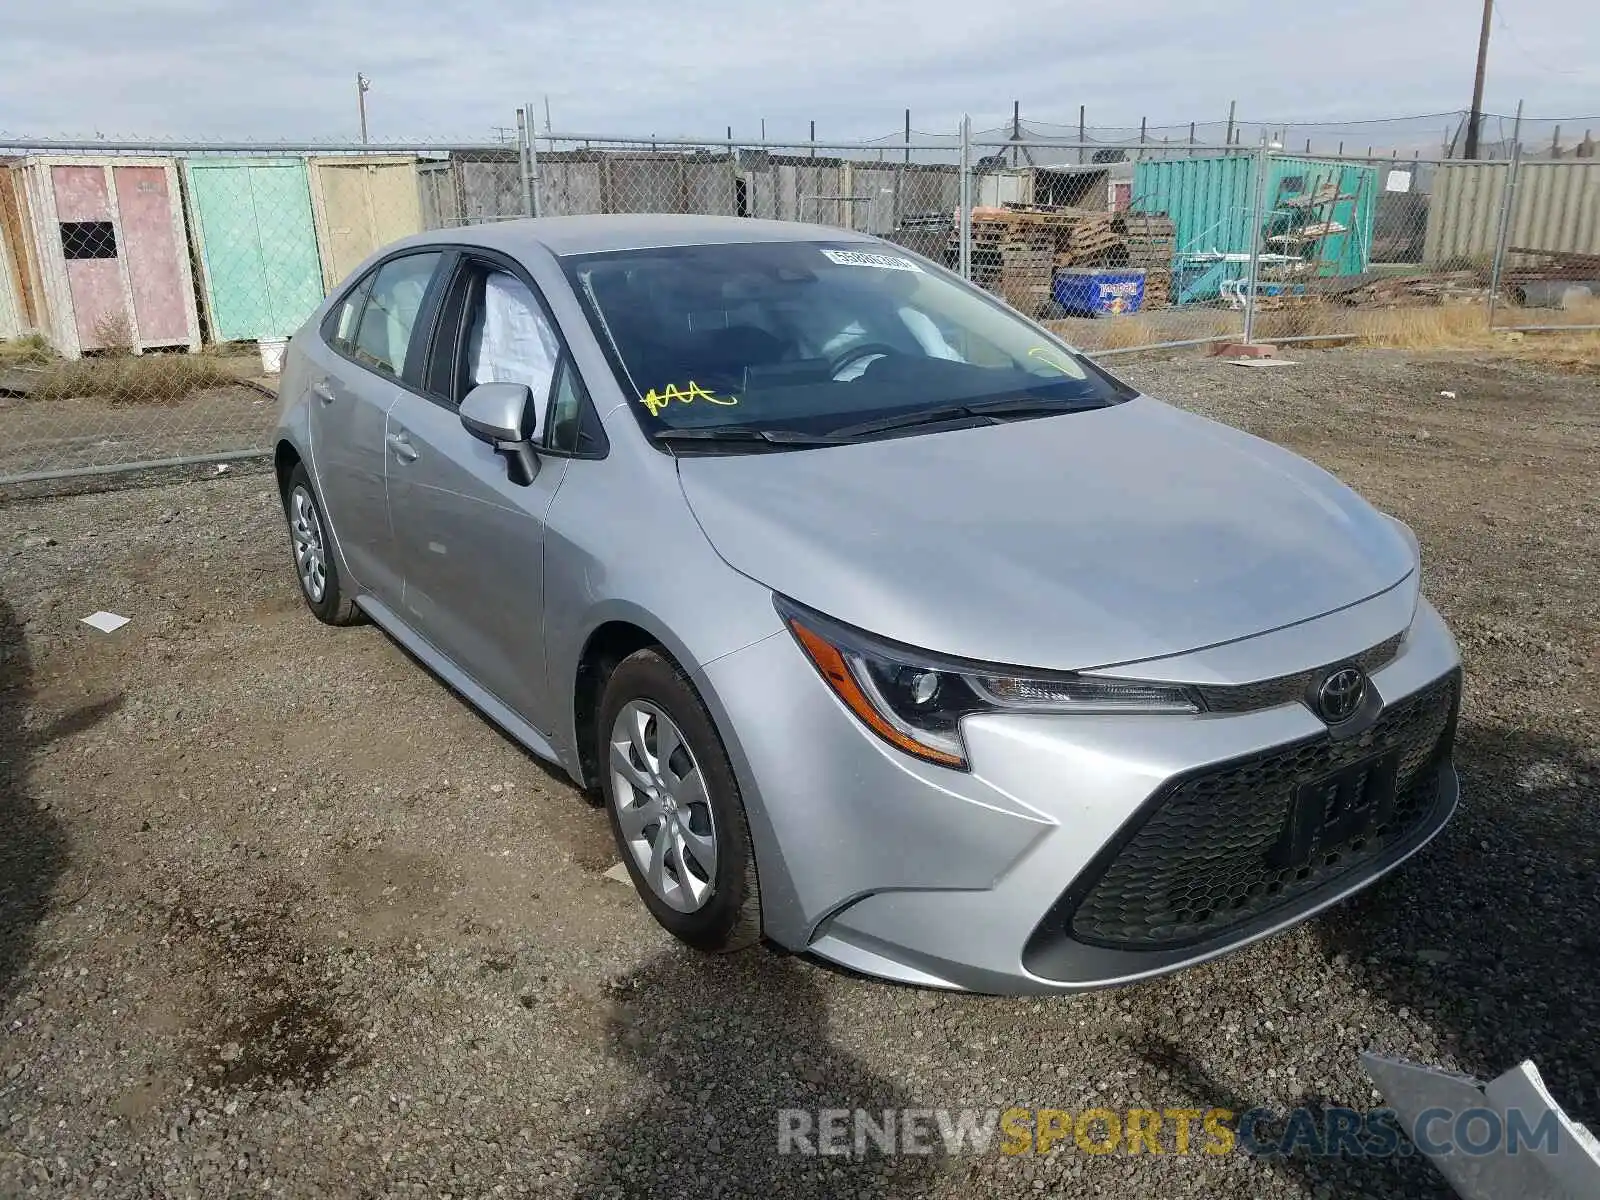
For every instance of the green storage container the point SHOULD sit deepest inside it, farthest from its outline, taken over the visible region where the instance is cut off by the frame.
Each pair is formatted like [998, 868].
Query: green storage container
[1210, 202]
[256, 243]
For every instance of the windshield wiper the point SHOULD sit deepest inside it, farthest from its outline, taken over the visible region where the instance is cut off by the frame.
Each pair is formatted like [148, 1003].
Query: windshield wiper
[1021, 406]
[1015, 406]
[745, 433]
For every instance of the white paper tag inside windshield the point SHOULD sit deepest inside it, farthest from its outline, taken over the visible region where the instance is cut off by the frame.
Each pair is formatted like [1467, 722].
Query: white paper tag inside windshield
[865, 258]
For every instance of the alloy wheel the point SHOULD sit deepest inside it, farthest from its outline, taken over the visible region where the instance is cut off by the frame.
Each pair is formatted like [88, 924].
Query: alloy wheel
[662, 808]
[310, 556]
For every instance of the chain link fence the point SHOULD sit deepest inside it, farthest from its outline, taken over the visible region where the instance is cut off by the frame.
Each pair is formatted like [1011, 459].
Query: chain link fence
[146, 289]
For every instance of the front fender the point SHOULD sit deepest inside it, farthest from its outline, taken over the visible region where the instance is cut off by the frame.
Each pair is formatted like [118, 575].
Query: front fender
[621, 544]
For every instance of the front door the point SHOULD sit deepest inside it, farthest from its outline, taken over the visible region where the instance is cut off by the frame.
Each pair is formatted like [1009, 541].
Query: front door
[471, 541]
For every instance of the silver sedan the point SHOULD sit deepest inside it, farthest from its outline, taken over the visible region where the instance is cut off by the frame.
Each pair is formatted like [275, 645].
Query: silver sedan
[884, 624]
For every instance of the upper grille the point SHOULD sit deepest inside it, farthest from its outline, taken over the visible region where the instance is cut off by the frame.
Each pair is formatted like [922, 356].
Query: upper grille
[1230, 843]
[1286, 689]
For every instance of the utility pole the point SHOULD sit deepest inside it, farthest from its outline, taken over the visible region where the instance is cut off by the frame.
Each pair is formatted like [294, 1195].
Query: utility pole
[362, 84]
[1475, 118]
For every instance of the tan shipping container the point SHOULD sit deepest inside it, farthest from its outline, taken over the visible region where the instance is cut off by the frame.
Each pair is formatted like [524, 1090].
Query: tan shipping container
[361, 203]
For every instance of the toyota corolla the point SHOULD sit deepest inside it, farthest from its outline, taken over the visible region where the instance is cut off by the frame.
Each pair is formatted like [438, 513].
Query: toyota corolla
[885, 625]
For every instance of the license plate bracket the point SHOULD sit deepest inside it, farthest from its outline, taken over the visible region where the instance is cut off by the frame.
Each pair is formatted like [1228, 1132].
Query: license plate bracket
[1327, 814]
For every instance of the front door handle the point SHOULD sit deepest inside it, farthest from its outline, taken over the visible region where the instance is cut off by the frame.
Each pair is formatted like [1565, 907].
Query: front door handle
[402, 447]
[322, 391]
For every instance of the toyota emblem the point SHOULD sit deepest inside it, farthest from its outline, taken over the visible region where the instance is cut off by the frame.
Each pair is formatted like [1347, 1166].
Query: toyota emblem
[1341, 693]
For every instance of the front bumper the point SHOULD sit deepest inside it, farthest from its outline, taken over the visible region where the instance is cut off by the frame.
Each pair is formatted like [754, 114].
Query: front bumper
[981, 880]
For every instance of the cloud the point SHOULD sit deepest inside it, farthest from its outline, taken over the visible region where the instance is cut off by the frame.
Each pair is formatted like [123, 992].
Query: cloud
[195, 69]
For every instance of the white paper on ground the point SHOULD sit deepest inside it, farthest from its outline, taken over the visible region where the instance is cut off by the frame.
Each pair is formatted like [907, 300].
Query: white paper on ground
[619, 872]
[105, 622]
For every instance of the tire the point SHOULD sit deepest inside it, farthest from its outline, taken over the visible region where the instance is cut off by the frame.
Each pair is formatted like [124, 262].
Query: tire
[716, 910]
[314, 565]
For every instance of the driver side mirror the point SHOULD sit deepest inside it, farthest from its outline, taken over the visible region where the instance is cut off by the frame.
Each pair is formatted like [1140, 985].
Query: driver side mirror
[495, 412]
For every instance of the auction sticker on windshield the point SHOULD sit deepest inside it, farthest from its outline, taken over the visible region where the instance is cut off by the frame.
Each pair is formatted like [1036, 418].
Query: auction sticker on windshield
[865, 258]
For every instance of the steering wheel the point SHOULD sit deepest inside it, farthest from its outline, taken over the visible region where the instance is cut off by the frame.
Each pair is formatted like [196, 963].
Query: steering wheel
[861, 350]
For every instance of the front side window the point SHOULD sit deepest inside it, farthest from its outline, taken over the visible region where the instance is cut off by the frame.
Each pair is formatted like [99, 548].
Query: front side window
[814, 338]
[567, 409]
[383, 338]
[509, 340]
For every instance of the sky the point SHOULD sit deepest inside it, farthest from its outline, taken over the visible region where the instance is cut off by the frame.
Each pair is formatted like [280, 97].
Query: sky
[286, 70]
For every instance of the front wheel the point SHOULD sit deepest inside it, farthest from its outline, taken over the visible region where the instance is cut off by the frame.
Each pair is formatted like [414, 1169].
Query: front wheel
[674, 806]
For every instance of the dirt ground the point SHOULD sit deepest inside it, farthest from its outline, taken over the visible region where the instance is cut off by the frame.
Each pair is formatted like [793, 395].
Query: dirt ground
[280, 915]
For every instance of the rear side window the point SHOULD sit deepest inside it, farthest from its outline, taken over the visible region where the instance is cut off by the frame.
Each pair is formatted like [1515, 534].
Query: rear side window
[341, 330]
[389, 317]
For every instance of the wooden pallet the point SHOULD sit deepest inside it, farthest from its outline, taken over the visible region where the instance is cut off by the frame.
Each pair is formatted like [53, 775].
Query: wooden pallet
[1016, 249]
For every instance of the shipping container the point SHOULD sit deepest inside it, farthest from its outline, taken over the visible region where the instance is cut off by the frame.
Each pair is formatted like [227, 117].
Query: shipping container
[109, 253]
[1317, 210]
[1556, 207]
[361, 203]
[256, 244]
[469, 187]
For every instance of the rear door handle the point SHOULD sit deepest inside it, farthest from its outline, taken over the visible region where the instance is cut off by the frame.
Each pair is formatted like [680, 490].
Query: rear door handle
[322, 391]
[402, 447]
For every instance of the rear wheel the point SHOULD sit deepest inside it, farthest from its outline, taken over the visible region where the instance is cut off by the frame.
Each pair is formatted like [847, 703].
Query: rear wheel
[674, 806]
[314, 564]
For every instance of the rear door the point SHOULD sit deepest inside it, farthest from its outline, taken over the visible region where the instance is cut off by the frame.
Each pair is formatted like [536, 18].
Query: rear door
[470, 540]
[359, 367]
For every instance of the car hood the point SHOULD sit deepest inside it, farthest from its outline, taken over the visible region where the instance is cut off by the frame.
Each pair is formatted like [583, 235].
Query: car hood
[1065, 543]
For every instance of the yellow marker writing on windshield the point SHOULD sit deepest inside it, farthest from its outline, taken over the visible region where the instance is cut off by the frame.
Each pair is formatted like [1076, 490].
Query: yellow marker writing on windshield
[1051, 358]
[656, 401]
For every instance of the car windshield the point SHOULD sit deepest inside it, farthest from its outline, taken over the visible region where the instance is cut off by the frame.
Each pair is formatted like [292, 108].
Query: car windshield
[817, 339]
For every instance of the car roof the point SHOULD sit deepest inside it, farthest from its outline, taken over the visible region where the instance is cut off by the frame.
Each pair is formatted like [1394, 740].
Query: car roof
[632, 231]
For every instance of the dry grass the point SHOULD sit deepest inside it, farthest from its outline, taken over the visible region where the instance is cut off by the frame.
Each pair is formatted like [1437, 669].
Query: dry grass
[1143, 329]
[1466, 327]
[133, 379]
[29, 351]
[1437, 327]
[113, 333]
[1444, 327]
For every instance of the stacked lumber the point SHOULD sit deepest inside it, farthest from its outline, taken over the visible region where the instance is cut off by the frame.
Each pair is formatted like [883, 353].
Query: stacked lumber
[1016, 249]
[1157, 289]
[1012, 258]
[1151, 239]
[1555, 265]
[1089, 241]
[1393, 291]
[1152, 242]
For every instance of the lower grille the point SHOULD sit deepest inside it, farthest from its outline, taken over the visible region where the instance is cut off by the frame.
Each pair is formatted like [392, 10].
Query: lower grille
[1232, 843]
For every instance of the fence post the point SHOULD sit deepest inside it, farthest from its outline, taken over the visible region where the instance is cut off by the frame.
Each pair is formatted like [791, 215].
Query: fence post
[533, 166]
[522, 162]
[1259, 191]
[1508, 198]
[965, 217]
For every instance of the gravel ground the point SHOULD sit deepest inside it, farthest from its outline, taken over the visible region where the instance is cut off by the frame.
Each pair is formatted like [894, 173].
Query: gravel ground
[280, 915]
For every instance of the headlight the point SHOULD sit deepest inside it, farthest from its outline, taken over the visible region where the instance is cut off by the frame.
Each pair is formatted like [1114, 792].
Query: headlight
[915, 701]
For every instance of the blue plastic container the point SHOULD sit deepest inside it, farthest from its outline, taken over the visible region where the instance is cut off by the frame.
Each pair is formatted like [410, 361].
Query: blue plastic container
[1098, 292]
